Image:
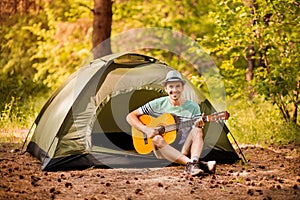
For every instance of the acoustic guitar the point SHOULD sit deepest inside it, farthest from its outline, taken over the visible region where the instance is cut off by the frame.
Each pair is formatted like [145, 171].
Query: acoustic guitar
[167, 127]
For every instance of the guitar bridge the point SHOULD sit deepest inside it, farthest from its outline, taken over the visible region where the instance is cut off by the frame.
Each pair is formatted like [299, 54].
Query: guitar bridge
[145, 138]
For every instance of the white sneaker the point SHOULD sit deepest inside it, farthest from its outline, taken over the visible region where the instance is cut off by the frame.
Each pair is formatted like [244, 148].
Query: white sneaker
[211, 165]
[193, 169]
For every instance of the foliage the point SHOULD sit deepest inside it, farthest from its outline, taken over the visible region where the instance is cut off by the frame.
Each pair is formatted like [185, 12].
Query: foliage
[188, 17]
[17, 116]
[184, 16]
[61, 55]
[278, 75]
[259, 122]
[38, 52]
[17, 72]
[270, 32]
[16, 112]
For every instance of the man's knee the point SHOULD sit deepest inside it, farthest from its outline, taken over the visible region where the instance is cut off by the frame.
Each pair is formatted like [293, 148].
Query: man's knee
[158, 141]
[198, 132]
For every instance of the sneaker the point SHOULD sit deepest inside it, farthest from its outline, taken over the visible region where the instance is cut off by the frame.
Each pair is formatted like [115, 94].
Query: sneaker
[193, 168]
[209, 166]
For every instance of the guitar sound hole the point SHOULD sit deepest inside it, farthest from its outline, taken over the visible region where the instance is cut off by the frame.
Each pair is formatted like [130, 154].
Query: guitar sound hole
[161, 130]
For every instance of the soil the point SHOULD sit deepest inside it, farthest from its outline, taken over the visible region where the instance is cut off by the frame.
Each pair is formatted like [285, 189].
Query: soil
[272, 173]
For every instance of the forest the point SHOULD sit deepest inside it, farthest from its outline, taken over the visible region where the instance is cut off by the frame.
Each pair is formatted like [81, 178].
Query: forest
[252, 46]
[255, 45]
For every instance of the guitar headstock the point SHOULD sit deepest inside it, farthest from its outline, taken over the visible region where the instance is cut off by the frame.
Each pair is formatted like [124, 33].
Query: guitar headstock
[218, 116]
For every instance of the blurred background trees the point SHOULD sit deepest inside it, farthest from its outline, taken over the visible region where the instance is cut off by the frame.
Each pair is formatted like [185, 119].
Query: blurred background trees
[254, 43]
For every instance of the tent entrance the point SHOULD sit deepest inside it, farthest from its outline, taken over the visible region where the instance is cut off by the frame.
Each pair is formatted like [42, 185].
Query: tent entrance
[111, 129]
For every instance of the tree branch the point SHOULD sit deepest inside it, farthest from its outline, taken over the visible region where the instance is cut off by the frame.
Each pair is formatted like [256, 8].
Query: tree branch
[85, 6]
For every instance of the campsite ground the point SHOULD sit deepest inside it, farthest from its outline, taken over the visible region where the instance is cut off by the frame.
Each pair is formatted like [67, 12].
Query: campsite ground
[272, 173]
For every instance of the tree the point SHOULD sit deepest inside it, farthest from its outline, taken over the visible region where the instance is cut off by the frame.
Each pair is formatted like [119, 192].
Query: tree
[102, 27]
[266, 35]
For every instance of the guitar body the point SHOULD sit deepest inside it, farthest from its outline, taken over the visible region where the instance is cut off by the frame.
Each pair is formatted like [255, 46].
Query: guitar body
[167, 128]
[143, 144]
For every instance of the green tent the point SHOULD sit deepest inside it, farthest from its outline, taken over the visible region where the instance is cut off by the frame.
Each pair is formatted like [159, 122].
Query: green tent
[83, 124]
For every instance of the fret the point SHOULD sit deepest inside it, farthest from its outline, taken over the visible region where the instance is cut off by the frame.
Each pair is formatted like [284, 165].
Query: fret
[187, 123]
[180, 125]
[170, 127]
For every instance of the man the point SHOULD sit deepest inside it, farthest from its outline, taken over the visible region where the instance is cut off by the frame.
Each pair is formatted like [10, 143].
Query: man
[189, 141]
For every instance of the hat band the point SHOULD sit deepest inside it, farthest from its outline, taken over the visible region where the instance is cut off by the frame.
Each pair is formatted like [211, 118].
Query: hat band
[174, 78]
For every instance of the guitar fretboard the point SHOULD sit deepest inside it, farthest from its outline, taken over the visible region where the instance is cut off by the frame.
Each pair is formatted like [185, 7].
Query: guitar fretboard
[184, 124]
[215, 117]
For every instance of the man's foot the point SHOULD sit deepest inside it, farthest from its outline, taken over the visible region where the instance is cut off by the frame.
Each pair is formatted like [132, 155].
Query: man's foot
[212, 165]
[193, 168]
[209, 167]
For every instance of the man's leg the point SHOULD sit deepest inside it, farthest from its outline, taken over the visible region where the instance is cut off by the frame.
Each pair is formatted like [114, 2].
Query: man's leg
[186, 148]
[197, 144]
[163, 150]
[193, 144]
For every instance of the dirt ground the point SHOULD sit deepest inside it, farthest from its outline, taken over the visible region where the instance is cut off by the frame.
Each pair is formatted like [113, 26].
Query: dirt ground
[272, 173]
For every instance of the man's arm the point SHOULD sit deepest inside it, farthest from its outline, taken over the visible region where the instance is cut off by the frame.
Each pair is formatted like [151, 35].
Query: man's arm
[133, 119]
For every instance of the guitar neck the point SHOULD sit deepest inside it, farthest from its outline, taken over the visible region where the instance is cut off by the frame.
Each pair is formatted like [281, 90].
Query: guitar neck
[184, 124]
[215, 117]
[187, 123]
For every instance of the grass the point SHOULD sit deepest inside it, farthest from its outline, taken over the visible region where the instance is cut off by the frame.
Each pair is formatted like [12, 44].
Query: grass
[260, 122]
[17, 117]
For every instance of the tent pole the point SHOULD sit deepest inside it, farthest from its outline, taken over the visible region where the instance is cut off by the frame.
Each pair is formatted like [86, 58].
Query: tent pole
[21, 152]
[245, 161]
[43, 159]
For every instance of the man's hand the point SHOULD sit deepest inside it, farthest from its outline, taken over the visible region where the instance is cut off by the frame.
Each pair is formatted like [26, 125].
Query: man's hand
[151, 132]
[199, 122]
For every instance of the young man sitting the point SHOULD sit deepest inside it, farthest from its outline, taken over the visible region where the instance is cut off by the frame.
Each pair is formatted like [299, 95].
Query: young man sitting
[190, 139]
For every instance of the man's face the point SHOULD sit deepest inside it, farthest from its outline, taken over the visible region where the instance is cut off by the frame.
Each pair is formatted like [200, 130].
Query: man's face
[174, 90]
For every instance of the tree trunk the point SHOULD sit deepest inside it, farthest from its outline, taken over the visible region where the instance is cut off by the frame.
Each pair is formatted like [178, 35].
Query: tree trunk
[296, 100]
[251, 50]
[102, 27]
[250, 68]
[15, 6]
[25, 7]
[38, 6]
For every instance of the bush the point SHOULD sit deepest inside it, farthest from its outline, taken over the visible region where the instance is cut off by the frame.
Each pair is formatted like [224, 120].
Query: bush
[259, 122]
[17, 116]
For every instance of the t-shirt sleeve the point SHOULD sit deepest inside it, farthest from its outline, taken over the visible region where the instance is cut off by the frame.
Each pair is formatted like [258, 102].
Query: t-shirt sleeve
[151, 108]
[197, 110]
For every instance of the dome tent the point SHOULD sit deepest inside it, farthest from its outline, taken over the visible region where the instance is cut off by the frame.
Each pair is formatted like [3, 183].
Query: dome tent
[83, 124]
